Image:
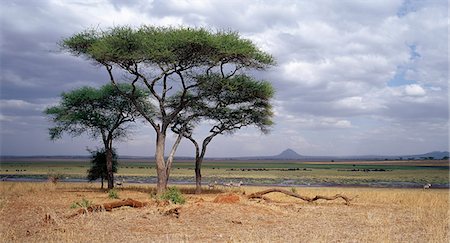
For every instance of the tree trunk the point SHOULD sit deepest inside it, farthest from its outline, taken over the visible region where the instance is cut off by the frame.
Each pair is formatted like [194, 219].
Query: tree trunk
[198, 175]
[171, 156]
[109, 168]
[199, 155]
[102, 181]
[161, 171]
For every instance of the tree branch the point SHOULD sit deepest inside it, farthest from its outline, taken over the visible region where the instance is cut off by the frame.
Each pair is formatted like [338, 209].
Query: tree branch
[138, 107]
[304, 198]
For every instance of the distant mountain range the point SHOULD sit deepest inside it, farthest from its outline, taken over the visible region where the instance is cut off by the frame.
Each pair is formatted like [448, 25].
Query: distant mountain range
[287, 154]
[290, 154]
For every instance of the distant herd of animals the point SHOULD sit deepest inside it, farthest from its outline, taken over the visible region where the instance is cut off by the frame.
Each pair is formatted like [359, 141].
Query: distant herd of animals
[230, 184]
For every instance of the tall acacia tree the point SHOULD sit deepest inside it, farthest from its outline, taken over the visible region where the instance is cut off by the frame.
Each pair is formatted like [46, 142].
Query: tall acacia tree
[167, 61]
[228, 104]
[102, 112]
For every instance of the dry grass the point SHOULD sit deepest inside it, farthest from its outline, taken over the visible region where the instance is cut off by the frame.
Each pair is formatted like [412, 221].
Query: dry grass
[377, 215]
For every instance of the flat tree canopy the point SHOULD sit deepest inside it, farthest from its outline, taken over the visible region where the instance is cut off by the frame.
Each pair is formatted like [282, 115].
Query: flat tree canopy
[168, 62]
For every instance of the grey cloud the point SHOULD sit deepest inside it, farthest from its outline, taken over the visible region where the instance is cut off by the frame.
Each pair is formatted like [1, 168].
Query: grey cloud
[335, 61]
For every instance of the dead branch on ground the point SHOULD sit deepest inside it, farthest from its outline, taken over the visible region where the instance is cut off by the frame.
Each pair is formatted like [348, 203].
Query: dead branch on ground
[175, 212]
[260, 195]
[109, 206]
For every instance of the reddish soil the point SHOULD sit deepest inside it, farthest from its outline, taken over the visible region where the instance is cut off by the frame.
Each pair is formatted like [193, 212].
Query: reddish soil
[227, 198]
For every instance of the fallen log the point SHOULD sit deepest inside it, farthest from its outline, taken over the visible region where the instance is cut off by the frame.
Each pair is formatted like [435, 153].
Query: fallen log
[127, 202]
[109, 206]
[260, 195]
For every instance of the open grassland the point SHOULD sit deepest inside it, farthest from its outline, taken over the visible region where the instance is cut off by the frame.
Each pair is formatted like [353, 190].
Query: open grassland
[376, 215]
[255, 172]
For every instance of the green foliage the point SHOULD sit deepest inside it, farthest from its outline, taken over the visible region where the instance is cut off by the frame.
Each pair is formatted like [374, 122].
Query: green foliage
[98, 164]
[213, 62]
[174, 195]
[236, 102]
[112, 194]
[126, 46]
[84, 203]
[229, 104]
[190, 73]
[97, 112]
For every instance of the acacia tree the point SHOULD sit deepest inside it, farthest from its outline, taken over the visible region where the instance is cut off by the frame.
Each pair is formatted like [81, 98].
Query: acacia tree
[102, 112]
[167, 61]
[228, 104]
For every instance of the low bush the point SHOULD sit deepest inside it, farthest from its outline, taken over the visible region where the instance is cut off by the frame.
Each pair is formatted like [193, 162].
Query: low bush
[84, 203]
[112, 194]
[174, 195]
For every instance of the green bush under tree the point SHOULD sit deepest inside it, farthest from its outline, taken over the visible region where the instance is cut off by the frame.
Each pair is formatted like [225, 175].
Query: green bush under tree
[98, 168]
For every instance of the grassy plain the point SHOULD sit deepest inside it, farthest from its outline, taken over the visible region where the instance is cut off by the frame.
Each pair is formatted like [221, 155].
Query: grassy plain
[257, 172]
[376, 215]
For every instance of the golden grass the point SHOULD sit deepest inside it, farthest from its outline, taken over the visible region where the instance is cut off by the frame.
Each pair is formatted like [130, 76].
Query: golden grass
[377, 215]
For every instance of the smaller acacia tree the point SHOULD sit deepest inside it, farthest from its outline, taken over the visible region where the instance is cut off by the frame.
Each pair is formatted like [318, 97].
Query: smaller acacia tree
[102, 112]
[98, 165]
[228, 104]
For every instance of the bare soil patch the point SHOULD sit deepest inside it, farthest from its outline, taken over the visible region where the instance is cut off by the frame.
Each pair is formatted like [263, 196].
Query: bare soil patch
[227, 198]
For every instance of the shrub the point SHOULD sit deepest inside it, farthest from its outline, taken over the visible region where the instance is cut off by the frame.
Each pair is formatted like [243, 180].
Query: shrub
[113, 194]
[84, 203]
[98, 168]
[293, 190]
[174, 195]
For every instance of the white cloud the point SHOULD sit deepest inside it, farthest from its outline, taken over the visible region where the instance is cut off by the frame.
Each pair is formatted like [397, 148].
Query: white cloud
[4, 118]
[18, 104]
[414, 90]
[35, 105]
[8, 76]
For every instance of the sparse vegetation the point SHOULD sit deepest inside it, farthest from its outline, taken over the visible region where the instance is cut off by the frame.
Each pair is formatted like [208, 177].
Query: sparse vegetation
[84, 203]
[174, 195]
[112, 194]
[270, 172]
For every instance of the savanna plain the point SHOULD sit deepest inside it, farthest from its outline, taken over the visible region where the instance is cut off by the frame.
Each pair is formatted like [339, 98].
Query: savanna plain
[44, 211]
[39, 212]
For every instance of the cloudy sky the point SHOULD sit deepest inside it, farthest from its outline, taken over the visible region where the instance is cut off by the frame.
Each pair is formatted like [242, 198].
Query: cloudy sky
[352, 77]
